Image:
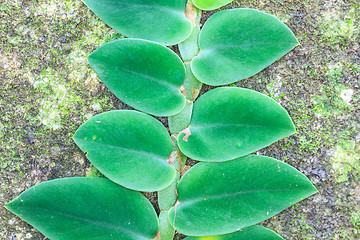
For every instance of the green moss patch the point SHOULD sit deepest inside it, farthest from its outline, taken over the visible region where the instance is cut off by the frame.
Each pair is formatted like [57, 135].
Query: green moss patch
[346, 160]
[335, 98]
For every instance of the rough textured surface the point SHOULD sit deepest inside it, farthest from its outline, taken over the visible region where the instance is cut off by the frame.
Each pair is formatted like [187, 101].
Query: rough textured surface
[48, 90]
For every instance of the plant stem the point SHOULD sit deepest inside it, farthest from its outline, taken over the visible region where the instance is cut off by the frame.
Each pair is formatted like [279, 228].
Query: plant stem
[191, 88]
[180, 121]
[191, 84]
[167, 232]
[190, 47]
[192, 13]
[188, 50]
[168, 196]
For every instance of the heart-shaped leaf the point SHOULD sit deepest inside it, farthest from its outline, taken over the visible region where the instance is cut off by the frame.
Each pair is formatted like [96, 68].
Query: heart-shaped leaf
[161, 21]
[238, 43]
[128, 147]
[143, 74]
[220, 198]
[228, 123]
[86, 208]
[250, 233]
[210, 4]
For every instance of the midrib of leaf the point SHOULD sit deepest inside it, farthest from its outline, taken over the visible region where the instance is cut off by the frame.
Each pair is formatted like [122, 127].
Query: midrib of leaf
[220, 47]
[226, 195]
[234, 125]
[159, 81]
[169, 10]
[147, 154]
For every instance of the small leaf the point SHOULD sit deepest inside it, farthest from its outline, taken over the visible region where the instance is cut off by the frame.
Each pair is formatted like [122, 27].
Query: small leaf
[250, 233]
[167, 232]
[167, 197]
[220, 198]
[190, 48]
[142, 74]
[191, 85]
[228, 123]
[210, 4]
[86, 208]
[238, 43]
[160, 21]
[128, 147]
[178, 159]
[181, 120]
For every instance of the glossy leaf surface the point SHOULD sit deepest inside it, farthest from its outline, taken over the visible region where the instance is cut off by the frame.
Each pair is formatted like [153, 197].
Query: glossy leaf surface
[128, 147]
[143, 74]
[238, 43]
[232, 122]
[220, 198]
[210, 4]
[161, 21]
[250, 233]
[86, 208]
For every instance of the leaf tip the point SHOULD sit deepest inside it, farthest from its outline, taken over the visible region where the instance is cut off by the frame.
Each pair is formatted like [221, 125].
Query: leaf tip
[8, 206]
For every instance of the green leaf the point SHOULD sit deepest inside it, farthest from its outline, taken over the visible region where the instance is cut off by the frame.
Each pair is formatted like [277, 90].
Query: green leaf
[250, 233]
[191, 85]
[161, 21]
[228, 123]
[181, 120]
[238, 43]
[142, 74]
[210, 4]
[128, 147]
[220, 198]
[190, 47]
[167, 197]
[167, 232]
[177, 158]
[86, 208]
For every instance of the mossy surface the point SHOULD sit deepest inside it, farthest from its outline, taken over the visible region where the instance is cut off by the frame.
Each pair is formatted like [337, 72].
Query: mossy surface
[48, 90]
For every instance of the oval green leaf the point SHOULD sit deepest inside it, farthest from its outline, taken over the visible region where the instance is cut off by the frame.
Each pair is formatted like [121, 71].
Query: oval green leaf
[220, 198]
[128, 147]
[250, 233]
[162, 21]
[142, 74]
[210, 4]
[86, 208]
[238, 43]
[228, 123]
